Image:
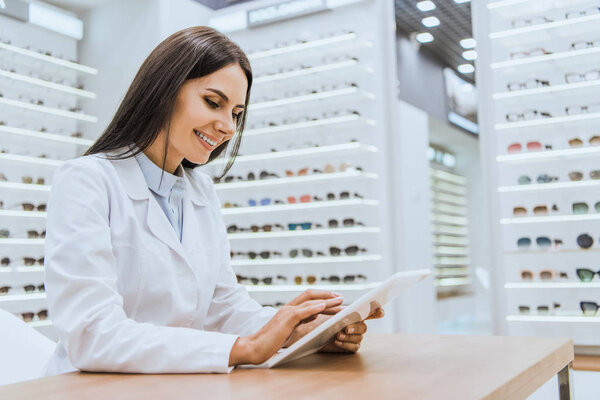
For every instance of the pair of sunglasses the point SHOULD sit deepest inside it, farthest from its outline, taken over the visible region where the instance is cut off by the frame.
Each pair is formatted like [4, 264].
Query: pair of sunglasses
[5, 262]
[537, 210]
[255, 281]
[577, 175]
[346, 222]
[31, 288]
[4, 233]
[310, 279]
[576, 142]
[345, 279]
[530, 146]
[343, 196]
[29, 179]
[28, 316]
[35, 234]
[29, 261]
[254, 228]
[350, 250]
[263, 202]
[528, 84]
[252, 254]
[32, 207]
[527, 115]
[540, 309]
[305, 253]
[583, 208]
[545, 275]
[589, 308]
[586, 274]
[541, 241]
[5, 289]
[542, 178]
[585, 241]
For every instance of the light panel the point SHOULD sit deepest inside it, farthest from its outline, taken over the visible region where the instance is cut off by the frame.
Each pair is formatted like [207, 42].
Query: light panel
[424, 37]
[426, 6]
[430, 22]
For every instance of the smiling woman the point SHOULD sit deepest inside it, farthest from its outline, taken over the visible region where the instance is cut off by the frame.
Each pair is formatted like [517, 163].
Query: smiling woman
[138, 273]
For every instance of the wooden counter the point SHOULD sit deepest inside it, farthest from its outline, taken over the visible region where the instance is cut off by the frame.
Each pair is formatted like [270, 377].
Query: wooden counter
[415, 367]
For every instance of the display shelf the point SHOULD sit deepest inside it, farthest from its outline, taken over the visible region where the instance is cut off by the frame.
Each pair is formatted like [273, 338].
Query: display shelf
[31, 269]
[572, 57]
[550, 218]
[22, 214]
[448, 282]
[448, 199]
[550, 251]
[18, 242]
[25, 186]
[30, 160]
[11, 298]
[49, 110]
[567, 119]
[339, 39]
[525, 32]
[45, 136]
[344, 148]
[306, 71]
[299, 206]
[448, 188]
[301, 288]
[449, 209]
[306, 260]
[357, 119]
[547, 91]
[449, 220]
[40, 324]
[552, 318]
[309, 97]
[49, 59]
[549, 155]
[47, 84]
[324, 177]
[302, 233]
[548, 186]
[552, 285]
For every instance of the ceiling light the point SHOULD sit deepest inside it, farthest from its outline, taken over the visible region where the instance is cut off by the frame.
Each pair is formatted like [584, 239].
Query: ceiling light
[426, 5]
[468, 43]
[469, 55]
[430, 21]
[466, 68]
[424, 37]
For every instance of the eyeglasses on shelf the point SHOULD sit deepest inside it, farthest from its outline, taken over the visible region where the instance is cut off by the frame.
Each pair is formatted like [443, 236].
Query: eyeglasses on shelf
[544, 274]
[527, 115]
[543, 242]
[541, 309]
[585, 241]
[576, 142]
[589, 308]
[586, 274]
[528, 84]
[537, 210]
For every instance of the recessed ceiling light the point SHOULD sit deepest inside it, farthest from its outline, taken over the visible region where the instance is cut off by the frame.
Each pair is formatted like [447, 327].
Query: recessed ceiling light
[430, 21]
[468, 43]
[466, 68]
[469, 55]
[424, 37]
[461, 1]
[426, 5]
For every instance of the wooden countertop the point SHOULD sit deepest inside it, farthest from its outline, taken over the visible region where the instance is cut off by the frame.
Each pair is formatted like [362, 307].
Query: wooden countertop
[390, 366]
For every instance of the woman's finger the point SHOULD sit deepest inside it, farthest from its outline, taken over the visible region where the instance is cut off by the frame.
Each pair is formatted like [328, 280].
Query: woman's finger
[379, 313]
[332, 310]
[343, 337]
[350, 347]
[313, 294]
[358, 328]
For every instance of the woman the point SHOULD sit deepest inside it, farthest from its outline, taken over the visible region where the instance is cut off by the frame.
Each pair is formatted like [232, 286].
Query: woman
[137, 259]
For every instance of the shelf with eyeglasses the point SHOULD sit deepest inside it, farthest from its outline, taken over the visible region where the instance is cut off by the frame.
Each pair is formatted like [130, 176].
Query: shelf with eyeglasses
[303, 233]
[549, 186]
[349, 91]
[312, 70]
[22, 214]
[566, 59]
[25, 186]
[21, 269]
[563, 119]
[21, 242]
[306, 260]
[552, 285]
[354, 118]
[546, 90]
[338, 41]
[47, 84]
[441, 281]
[343, 148]
[40, 323]
[4, 129]
[48, 58]
[322, 177]
[299, 206]
[301, 288]
[15, 158]
[531, 32]
[80, 116]
[553, 318]
[550, 218]
[549, 155]
[10, 298]
[552, 252]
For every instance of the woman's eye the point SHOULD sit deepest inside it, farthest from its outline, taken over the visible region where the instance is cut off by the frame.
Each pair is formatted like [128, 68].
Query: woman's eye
[237, 116]
[212, 104]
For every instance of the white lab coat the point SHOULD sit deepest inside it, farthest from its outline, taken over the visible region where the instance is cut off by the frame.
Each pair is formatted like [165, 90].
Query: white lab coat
[124, 294]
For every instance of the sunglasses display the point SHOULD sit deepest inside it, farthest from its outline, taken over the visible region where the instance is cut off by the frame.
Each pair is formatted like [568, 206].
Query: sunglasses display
[349, 251]
[29, 316]
[544, 274]
[35, 234]
[543, 242]
[253, 255]
[528, 84]
[589, 308]
[30, 261]
[586, 274]
[29, 180]
[542, 209]
[530, 146]
[32, 207]
[305, 253]
[542, 178]
[255, 228]
[527, 115]
[541, 309]
[32, 288]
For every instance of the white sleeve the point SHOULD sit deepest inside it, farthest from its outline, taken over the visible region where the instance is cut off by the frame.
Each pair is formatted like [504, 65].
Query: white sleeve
[84, 303]
[231, 310]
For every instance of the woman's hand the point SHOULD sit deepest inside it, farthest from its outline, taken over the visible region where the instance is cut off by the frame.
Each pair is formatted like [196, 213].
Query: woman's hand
[258, 348]
[348, 339]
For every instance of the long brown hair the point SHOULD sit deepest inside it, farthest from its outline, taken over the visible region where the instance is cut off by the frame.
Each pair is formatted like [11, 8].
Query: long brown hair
[148, 104]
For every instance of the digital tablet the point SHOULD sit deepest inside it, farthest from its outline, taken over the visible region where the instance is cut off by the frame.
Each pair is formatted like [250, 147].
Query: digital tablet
[355, 312]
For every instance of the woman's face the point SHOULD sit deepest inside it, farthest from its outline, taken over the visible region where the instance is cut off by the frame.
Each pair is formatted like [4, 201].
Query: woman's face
[206, 113]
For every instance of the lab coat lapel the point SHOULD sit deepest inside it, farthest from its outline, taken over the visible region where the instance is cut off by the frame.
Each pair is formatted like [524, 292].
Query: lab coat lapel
[192, 199]
[137, 189]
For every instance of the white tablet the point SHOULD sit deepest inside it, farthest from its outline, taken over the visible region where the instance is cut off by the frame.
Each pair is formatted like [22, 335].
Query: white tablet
[355, 312]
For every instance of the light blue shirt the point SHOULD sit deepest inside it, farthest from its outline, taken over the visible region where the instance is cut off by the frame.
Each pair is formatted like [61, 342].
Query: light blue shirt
[168, 193]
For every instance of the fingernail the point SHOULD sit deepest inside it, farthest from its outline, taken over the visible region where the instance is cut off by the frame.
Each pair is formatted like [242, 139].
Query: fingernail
[350, 330]
[342, 336]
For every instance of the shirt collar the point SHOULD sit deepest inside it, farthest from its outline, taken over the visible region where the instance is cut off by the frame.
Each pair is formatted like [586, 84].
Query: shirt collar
[153, 174]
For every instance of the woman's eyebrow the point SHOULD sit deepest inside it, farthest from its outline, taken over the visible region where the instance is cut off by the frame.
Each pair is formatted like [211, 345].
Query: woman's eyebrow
[224, 96]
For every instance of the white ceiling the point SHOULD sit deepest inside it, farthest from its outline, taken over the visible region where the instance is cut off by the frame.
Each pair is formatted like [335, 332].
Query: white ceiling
[77, 6]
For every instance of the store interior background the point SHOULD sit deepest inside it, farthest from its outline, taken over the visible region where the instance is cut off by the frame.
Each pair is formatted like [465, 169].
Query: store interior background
[404, 91]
